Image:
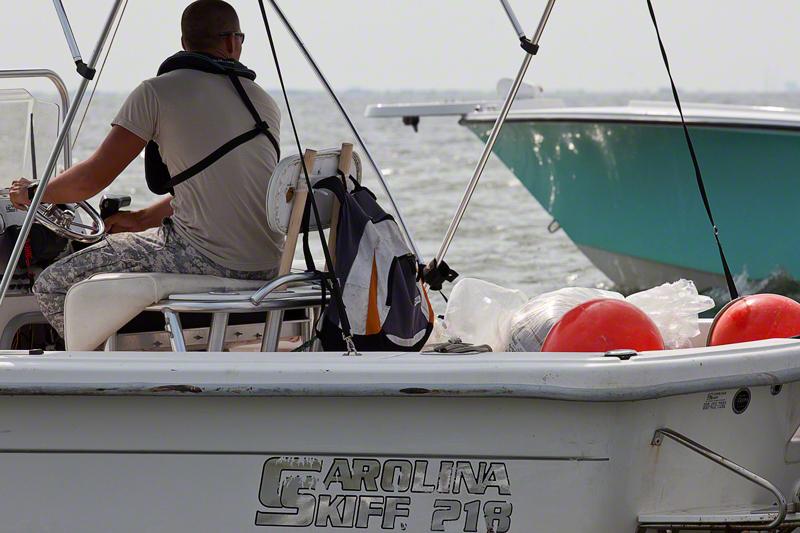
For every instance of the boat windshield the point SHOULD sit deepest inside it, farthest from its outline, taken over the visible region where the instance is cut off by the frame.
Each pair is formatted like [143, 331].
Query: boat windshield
[16, 108]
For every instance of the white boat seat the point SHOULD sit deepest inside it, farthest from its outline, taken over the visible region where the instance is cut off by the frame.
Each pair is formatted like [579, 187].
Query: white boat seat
[98, 307]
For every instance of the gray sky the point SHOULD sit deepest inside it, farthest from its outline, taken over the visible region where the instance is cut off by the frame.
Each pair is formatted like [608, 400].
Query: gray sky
[715, 45]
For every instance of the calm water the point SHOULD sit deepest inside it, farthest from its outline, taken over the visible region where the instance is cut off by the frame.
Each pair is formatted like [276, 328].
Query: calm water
[503, 237]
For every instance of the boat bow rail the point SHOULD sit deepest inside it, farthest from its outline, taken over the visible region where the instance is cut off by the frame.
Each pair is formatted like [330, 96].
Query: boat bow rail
[657, 112]
[572, 377]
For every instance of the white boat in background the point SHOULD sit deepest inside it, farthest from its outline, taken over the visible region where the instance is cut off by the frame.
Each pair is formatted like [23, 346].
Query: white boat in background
[157, 438]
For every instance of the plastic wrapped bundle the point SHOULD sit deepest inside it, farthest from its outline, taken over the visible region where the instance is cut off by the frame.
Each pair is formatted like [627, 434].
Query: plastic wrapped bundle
[479, 312]
[530, 324]
[674, 307]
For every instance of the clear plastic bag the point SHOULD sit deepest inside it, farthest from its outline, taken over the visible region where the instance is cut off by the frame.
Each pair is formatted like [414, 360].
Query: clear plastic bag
[479, 312]
[439, 333]
[531, 323]
[674, 307]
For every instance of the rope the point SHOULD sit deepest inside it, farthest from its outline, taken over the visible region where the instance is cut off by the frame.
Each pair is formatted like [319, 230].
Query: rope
[336, 291]
[99, 73]
[698, 175]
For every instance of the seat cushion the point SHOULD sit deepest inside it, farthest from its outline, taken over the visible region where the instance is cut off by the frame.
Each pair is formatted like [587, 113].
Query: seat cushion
[98, 307]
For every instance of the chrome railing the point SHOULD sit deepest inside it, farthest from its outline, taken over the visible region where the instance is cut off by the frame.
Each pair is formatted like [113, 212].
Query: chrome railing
[782, 506]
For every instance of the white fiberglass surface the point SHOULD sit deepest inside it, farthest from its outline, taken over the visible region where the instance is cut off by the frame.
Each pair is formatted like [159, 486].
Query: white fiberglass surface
[655, 111]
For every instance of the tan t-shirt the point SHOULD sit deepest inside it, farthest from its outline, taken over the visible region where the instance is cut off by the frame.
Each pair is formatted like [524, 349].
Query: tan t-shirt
[222, 210]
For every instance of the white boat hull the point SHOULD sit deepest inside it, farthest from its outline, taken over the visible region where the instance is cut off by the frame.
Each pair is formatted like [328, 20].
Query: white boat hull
[183, 458]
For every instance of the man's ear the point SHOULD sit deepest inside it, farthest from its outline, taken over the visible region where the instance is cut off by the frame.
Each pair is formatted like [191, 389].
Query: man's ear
[183, 43]
[230, 44]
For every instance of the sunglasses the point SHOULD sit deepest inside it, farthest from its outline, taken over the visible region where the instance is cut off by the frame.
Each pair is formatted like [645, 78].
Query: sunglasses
[238, 34]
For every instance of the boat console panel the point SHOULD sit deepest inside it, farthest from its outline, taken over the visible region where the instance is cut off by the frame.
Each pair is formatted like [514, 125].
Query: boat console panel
[44, 247]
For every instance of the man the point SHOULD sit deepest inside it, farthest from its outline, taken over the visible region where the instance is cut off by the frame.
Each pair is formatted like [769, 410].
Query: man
[216, 223]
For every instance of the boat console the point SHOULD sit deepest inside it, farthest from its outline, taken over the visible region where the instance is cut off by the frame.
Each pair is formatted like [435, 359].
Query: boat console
[45, 244]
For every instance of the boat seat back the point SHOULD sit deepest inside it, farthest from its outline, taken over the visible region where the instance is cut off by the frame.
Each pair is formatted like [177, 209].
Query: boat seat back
[288, 178]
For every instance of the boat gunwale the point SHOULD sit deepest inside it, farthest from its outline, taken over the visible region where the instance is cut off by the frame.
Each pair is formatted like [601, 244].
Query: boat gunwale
[578, 377]
[412, 390]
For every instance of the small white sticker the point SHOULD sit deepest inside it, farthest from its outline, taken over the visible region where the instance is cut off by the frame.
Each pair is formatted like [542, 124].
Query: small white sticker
[715, 400]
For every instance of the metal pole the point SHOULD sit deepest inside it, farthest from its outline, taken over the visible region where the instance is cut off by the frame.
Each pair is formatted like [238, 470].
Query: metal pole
[83, 69]
[352, 126]
[498, 125]
[513, 18]
[67, 28]
[63, 134]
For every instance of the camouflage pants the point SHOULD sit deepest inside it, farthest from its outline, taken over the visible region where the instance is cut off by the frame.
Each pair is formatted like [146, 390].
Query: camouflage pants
[154, 250]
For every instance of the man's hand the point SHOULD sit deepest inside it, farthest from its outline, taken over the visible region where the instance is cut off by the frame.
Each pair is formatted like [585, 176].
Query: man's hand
[125, 222]
[18, 193]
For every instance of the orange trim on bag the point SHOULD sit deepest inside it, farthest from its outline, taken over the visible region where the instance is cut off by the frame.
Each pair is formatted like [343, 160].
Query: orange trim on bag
[431, 316]
[373, 317]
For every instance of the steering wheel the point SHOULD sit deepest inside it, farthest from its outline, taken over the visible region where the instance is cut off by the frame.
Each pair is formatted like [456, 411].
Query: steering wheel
[62, 220]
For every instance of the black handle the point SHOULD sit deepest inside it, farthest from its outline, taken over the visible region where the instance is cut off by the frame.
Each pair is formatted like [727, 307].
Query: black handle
[112, 203]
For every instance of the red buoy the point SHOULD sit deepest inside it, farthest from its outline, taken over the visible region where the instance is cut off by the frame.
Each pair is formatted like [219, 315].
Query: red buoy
[603, 325]
[755, 317]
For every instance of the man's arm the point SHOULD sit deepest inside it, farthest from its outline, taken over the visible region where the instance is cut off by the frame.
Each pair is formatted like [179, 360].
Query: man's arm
[87, 178]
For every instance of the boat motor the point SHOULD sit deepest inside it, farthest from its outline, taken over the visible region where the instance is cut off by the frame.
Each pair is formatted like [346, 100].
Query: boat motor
[604, 325]
[755, 317]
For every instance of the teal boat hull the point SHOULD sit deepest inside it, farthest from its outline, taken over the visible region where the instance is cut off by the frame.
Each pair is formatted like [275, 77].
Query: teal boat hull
[626, 194]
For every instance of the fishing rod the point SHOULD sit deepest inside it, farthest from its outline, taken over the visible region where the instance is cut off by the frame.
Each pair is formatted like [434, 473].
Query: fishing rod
[437, 270]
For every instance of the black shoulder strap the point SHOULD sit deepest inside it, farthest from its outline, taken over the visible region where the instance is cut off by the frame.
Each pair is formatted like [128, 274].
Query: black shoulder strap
[245, 99]
[261, 128]
[233, 70]
[212, 158]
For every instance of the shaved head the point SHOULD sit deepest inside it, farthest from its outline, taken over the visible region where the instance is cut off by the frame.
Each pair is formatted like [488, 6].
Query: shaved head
[203, 22]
